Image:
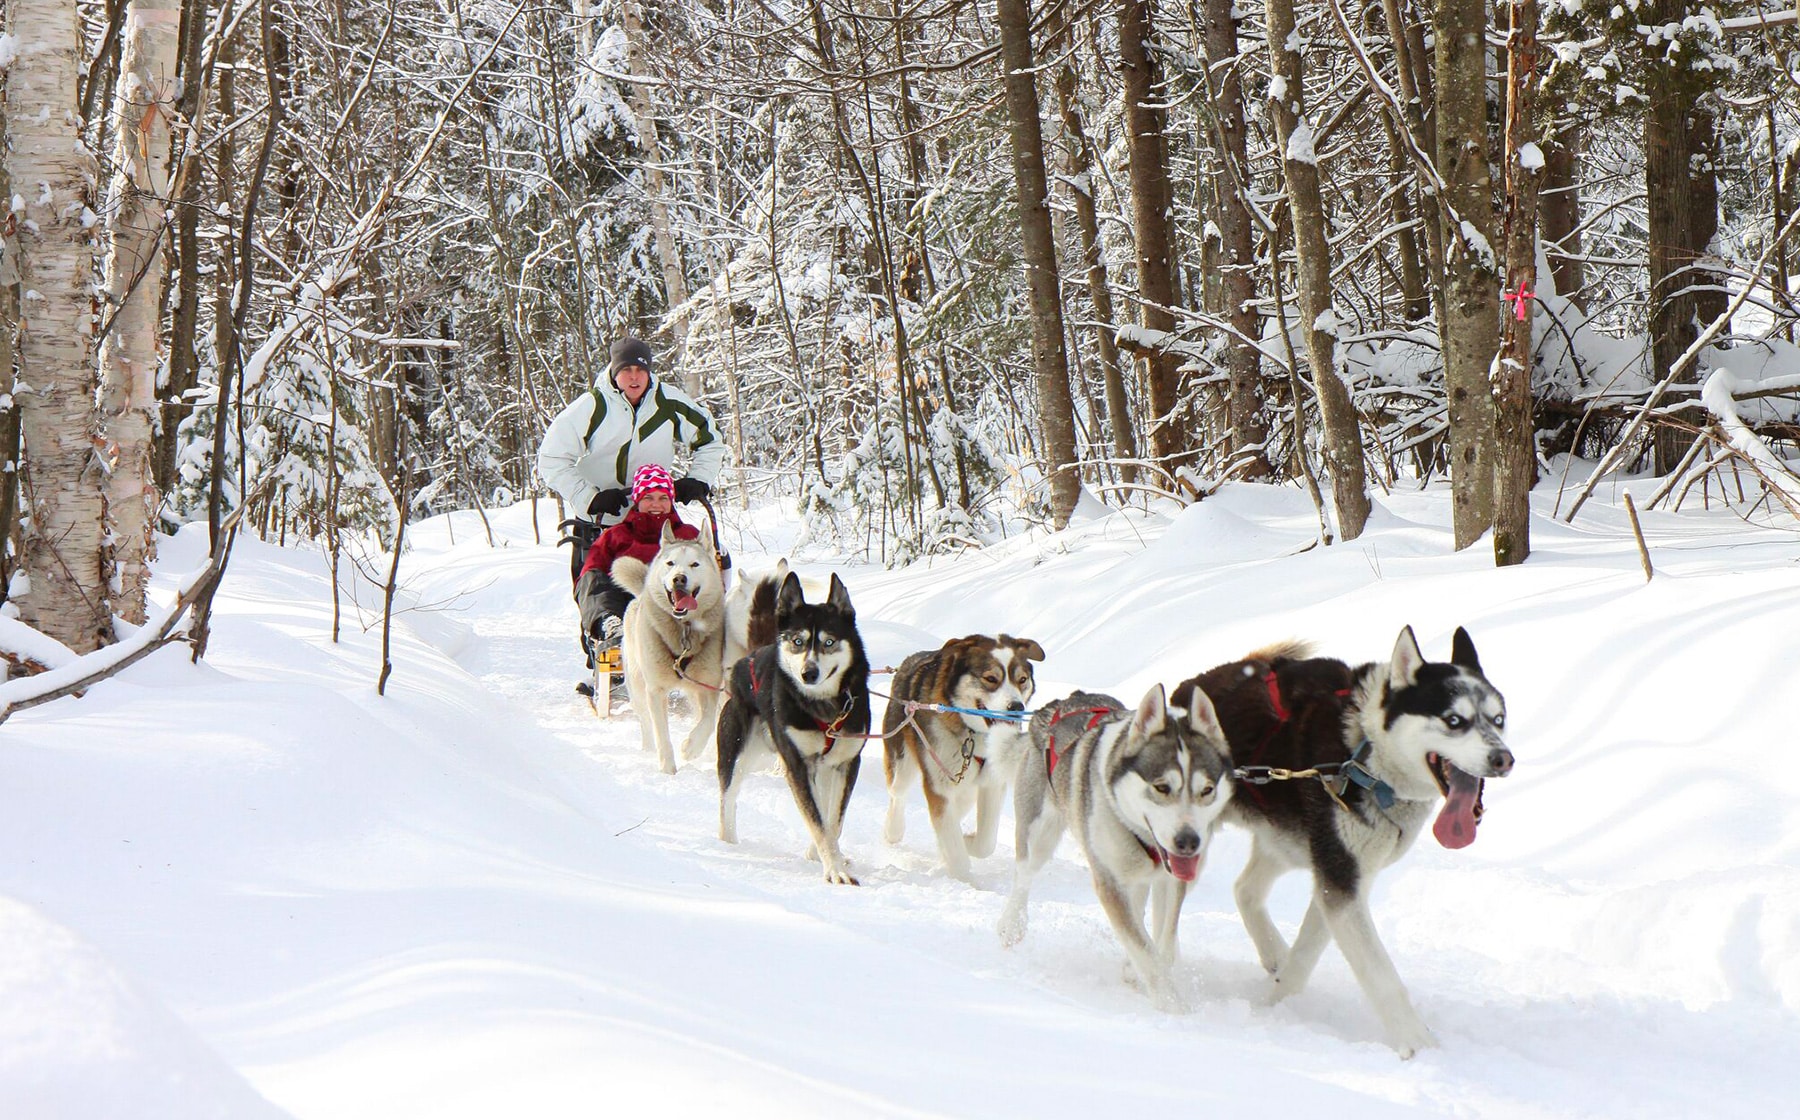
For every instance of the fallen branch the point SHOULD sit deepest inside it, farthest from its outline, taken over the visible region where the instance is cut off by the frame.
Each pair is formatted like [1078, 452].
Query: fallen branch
[92, 668]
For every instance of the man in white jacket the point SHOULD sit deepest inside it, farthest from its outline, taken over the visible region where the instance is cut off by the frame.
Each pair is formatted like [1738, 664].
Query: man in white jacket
[626, 420]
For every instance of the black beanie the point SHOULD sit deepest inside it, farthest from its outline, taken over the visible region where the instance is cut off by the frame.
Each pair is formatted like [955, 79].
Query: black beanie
[628, 351]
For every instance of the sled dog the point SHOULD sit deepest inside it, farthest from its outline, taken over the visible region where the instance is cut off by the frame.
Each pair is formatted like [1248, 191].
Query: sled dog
[1396, 738]
[806, 698]
[962, 761]
[1143, 792]
[674, 638]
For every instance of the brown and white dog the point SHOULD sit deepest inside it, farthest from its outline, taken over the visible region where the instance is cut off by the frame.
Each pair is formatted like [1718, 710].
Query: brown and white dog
[965, 761]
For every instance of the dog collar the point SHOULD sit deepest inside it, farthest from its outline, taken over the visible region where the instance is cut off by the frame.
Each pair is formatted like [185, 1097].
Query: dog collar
[1356, 772]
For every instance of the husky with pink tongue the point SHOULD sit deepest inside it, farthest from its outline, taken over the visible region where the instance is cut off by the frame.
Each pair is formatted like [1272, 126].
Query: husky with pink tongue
[1339, 770]
[1142, 792]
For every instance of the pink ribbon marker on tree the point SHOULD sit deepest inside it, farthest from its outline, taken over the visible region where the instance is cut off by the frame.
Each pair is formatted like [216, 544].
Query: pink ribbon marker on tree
[1518, 300]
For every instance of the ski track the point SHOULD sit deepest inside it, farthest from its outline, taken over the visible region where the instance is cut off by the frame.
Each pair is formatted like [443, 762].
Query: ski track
[1525, 1037]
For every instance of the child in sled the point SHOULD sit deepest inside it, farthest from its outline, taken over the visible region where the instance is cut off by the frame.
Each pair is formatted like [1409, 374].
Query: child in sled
[602, 602]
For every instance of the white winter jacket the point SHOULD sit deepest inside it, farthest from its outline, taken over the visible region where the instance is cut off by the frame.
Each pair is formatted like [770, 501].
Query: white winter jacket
[600, 440]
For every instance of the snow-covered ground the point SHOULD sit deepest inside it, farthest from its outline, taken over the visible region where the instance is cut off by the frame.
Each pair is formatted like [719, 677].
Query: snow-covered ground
[254, 888]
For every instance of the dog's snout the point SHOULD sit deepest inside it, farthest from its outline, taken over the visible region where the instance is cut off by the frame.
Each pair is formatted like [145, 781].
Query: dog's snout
[810, 674]
[1500, 761]
[1016, 706]
[1187, 842]
[681, 582]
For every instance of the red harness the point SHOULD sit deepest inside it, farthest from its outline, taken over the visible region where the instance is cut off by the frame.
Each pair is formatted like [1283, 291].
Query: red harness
[1282, 716]
[1050, 752]
[829, 730]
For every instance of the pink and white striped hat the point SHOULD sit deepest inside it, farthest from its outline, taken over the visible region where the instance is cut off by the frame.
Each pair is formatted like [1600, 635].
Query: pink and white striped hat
[651, 479]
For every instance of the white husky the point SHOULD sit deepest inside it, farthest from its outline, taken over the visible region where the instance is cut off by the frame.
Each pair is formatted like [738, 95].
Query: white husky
[674, 639]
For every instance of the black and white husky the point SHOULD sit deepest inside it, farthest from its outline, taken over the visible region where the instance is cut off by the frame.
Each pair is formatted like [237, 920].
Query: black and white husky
[806, 698]
[1143, 792]
[1394, 739]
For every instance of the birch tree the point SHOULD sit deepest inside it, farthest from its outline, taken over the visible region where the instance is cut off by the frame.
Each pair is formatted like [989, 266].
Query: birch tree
[52, 172]
[132, 298]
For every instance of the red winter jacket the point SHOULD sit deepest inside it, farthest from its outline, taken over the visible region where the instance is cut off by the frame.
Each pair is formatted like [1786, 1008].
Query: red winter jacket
[639, 535]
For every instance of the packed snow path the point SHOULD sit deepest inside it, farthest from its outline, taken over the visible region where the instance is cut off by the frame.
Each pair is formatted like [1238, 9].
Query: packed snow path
[473, 898]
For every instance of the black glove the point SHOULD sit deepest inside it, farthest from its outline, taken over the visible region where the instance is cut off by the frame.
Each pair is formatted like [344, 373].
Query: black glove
[609, 503]
[691, 490]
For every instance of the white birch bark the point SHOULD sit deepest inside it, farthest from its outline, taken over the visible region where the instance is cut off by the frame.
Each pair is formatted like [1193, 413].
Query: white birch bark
[52, 175]
[133, 291]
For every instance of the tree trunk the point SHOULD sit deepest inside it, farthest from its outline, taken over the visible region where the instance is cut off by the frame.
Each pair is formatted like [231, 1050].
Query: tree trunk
[53, 173]
[1237, 241]
[184, 361]
[1515, 457]
[1055, 407]
[1080, 162]
[1152, 228]
[1312, 255]
[668, 250]
[1471, 282]
[134, 287]
[1559, 209]
[9, 323]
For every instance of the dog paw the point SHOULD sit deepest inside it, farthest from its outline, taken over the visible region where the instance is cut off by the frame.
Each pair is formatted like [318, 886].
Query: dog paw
[666, 765]
[1413, 1039]
[979, 846]
[1011, 926]
[840, 876]
[812, 853]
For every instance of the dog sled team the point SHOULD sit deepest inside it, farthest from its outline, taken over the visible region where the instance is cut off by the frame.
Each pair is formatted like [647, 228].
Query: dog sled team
[1332, 769]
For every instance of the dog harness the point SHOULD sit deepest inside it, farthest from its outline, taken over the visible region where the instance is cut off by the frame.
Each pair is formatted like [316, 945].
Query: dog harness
[829, 730]
[1336, 777]
[1050, 752]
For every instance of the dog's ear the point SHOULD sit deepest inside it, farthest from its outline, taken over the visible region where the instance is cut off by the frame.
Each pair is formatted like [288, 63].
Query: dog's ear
[791, 596]
[1202, 716]
[1462, 651]
[1031, 650]
[840, 596]
[1403, 670]
[1152, 712]
[668, 532]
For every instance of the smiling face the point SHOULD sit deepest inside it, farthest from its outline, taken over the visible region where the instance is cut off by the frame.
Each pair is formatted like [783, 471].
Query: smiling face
[656, 503]
[633, 381]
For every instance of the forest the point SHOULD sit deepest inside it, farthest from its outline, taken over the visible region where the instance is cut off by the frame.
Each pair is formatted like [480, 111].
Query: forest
[314, 268]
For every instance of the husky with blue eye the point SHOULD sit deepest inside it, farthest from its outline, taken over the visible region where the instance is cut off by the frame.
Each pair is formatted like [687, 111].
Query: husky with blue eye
[1392, 739]
[804, 697]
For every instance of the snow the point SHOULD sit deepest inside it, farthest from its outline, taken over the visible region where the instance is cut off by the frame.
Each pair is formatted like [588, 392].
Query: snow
[1300, 143]
[1531, 157]
[256, 878]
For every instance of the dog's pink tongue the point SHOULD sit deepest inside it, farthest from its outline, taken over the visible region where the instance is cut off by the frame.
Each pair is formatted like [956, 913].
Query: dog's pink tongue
[1455, 827]
[1185, 868]
[684, 601]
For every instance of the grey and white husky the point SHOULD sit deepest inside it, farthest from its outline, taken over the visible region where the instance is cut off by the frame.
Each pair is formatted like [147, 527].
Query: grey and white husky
[674, 638]
[805, 697]
[1396, 737]
[1143, 792]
